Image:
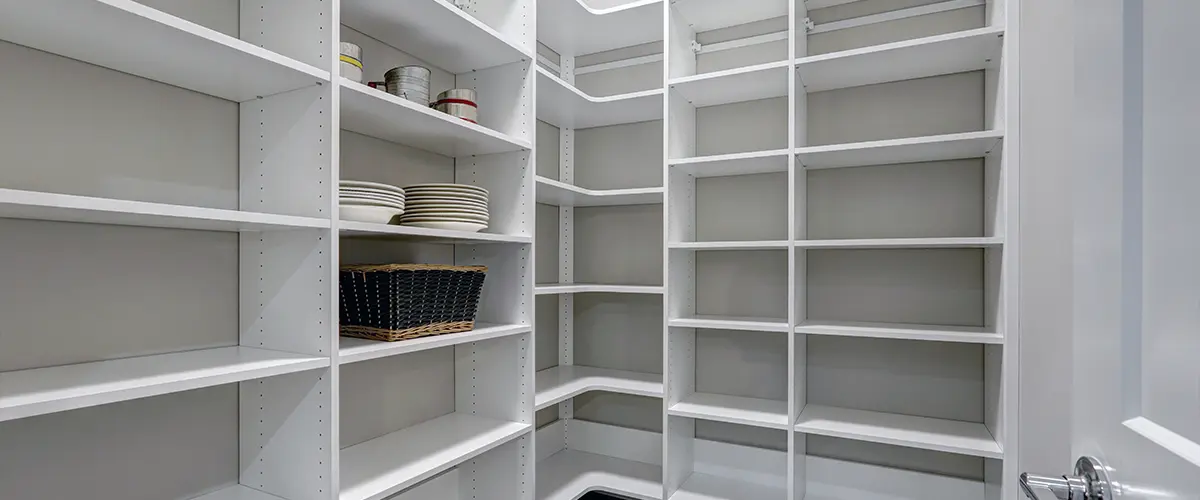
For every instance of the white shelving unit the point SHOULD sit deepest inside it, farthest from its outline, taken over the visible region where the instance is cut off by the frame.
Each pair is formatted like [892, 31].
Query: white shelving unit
[753, 250]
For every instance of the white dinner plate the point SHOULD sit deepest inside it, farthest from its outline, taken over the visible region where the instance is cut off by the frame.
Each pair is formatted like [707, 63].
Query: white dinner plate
[446, 211]
[374, 185]
[447, 187]
[362, 196]
[366, 213]
[446, 194]
[366, 191]
[370, 203]
[457, 218]
[447, 201]
[470, 227]
[450, 206]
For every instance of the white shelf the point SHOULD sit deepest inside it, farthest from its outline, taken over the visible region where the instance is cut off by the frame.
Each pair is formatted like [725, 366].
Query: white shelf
[355, 229]
[353, 350]
[729, 245]
[434, 31]
[756, 162]
[552, 192]
[896, 151]
[708, 487]
[923, 57]
[733, 409]
[39, 391]
[708, 15]
[129, 37]
[560, 383]
[750, 83]
[384, 116]
[36, 205]
[564, 106]
[394, 462]
[937, 333]
[237, 492]
[821, 4]
[560, 288]
[981, 242]
[567, 474]
[950, 436]
[571, 28]
[744, 323]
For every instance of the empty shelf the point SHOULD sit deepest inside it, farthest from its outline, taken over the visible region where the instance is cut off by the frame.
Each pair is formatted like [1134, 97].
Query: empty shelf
[18, 204]
[39, 391]
[434, 31]
[553, 192]
[756, 162]
[424, 235]
[114, 34]
[732, 323]
[709, 487]
[558, 384]
[394, 462]
[894, 151]
[708, 15]
[353, 350]
[571, 28]
[568, 474]
[733, 409]
[564, 106]
[939, 333]
[560, 288]
[237, 492]
[923, 57]
[729, 245]
[392, 118]
[949, 436]
[750, 83]
[981, 242]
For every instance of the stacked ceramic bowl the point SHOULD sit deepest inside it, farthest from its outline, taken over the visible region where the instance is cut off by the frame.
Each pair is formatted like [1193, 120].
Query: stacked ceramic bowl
[369, 201]
[457, 207]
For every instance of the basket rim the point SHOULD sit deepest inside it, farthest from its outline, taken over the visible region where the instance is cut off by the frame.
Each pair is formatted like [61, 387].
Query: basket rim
[411, 267]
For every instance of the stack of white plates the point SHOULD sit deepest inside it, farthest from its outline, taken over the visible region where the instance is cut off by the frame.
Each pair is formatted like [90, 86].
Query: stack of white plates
[457, 207]
[369, 201]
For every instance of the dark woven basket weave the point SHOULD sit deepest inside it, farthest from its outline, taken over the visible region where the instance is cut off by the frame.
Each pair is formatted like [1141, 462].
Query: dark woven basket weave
[391, 302]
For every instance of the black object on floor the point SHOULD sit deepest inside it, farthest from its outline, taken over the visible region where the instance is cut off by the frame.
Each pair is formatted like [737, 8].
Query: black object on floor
[595, 495]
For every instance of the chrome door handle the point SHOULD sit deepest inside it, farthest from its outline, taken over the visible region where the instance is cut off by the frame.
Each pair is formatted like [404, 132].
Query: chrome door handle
[1090, 482]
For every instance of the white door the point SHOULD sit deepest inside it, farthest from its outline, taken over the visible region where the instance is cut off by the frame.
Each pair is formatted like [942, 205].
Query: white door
[1136, 400]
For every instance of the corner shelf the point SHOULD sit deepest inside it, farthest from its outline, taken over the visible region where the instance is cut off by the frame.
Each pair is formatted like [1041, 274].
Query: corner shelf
[561, 383]
[869, 243]
[571, 28]
[435, 31]
[733, 409]
[563, 288]
[36, 205]
[386, 465]
[969, 50]
[743, 323]
[237, 492]
[392, 118]
[950, 436]
[353, 350]
[114, 33]
[756, 162]
[750, 83]
[896, 151]
[38, 391]
[937, 333]
[552, 192]
[567, 474]
[356, 229]
[564, 106]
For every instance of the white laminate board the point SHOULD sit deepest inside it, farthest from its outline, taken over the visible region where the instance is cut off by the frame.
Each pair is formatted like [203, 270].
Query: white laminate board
[895, 151]
[937, 333]
[882, 243]
[750, 83]
[729, 245]
[733, 409]
[561, 288]
[949, 436]
[353, 350]
[436, 32]
[731, 323]
[709, 487]
[38, 391]
[969, 50]
[552, 192]
[378, 468]
[708, 15]
[560, 383]
[564, 106]
[571, 28]
[237, 492]
[355, 229]
[115, 34]
[757, 162]
[568, 474]
[18, 204]
[394, 119]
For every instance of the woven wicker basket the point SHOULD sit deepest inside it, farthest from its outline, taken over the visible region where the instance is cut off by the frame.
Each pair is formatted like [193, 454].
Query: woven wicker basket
[391, 302]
